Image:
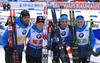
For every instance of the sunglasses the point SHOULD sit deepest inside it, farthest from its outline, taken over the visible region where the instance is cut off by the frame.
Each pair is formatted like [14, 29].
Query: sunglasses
[41, 17]
[79, 16]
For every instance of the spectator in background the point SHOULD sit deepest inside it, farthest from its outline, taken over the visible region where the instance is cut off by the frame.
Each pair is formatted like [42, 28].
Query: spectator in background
[4, 6]
[8, 6]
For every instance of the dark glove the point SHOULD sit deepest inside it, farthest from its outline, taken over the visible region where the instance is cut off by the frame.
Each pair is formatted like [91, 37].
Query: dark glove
[54, 44]
[72, 44]
[9, 49]
[48, 47]
[9, 18]
[89, 48]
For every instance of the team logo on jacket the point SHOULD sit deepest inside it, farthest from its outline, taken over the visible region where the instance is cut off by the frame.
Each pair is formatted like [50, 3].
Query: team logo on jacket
[24, 32]
[18, 28]
[63, 33]
[81, 35]
[33, 31]
[38, 36]
[86, 30]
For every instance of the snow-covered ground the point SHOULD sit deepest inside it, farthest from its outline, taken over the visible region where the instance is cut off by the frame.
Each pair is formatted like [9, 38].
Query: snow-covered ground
[2, 57]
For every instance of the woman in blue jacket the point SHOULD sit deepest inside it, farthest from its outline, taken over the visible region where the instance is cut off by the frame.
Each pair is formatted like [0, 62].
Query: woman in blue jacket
[34, 47]
[82, 34]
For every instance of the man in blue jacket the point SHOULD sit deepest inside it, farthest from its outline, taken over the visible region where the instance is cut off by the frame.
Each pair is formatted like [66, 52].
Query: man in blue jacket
[64, 29]
[22, 27]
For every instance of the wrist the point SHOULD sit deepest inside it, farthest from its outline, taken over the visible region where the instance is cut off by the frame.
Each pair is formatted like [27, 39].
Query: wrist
[6, 47]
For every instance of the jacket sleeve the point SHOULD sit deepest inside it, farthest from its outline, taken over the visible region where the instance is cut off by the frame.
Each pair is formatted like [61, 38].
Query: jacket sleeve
[93, 40]
[28, 35]
[4, 38]
[29, 32]
[69, 40]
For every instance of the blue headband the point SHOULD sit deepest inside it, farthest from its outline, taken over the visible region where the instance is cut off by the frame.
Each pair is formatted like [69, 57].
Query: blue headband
[80, 17]
[64, 18]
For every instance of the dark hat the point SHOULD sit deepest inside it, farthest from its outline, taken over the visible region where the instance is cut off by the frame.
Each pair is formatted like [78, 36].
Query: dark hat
[24, 13]
[40, 19]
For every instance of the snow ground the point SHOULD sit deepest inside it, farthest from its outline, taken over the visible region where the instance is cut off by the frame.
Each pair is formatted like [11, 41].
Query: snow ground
[2, 57]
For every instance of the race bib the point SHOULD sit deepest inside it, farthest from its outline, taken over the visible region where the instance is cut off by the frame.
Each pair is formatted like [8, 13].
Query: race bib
[81, 41]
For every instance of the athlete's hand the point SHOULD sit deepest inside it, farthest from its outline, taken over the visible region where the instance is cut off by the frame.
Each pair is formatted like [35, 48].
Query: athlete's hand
[9, 49]
[48, 47]
[89, 48]
[72, 44]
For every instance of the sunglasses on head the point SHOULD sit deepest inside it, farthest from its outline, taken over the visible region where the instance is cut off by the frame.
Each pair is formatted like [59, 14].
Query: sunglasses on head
[26, 13]
[80, 16]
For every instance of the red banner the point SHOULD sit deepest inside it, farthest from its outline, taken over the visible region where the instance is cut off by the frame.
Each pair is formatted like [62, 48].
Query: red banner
[79, 5]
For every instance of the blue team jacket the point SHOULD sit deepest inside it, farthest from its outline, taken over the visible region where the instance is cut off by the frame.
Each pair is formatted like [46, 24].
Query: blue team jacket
[30, 51]
[5, 37]
[82, 50]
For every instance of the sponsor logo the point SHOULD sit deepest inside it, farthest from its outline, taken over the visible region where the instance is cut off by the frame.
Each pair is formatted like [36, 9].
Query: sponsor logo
[85, 6]
[24, 32]
[33, 31]
[18, 28]
[38, 36]
[63, 33]
[86, 30]
[81, 35]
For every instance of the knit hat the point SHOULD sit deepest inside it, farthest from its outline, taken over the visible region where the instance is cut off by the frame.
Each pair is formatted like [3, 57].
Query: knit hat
[79, 17]
[40, 19]
[63, 17]
[24, 13]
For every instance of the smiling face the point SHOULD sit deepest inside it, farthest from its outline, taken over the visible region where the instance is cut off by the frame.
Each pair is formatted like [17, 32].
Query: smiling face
[80, 23]
[25, 20]
[39, 25]
[63, 24]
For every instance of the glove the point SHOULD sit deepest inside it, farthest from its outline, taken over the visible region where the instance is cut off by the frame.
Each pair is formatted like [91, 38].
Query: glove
[72, 44]
[54, 44]
[9, 49]
[48, 47]
[89, 48]
[9, 18]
